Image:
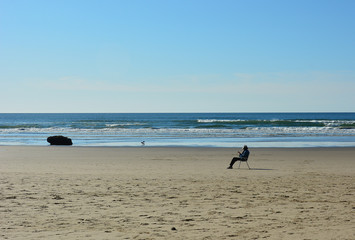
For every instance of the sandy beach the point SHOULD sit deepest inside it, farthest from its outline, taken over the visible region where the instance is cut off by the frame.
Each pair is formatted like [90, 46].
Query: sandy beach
[176, 193]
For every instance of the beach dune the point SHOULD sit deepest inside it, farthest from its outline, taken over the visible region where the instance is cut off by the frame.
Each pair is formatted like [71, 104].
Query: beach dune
[53, 192]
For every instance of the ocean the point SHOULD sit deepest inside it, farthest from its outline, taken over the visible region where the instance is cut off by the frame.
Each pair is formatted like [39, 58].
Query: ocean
[182, 129]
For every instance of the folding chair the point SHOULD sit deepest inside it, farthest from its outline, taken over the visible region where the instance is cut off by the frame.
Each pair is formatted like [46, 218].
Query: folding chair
[244, 160]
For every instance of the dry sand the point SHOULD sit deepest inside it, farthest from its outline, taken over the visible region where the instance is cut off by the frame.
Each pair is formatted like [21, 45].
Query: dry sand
[175, 193]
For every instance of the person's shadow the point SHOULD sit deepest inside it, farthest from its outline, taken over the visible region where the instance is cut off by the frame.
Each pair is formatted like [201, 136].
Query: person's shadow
[257, 169]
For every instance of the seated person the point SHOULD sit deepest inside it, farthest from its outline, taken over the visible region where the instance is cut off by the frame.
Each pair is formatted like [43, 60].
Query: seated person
[243, 156]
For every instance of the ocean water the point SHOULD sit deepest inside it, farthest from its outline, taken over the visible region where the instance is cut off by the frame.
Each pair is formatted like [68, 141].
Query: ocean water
[182, 129]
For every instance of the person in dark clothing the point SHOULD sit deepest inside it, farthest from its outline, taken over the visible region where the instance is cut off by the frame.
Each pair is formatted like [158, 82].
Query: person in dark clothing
[243, 156]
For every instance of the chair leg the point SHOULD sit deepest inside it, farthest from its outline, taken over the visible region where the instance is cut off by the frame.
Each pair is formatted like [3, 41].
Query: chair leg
[247, 164]
[240, 162]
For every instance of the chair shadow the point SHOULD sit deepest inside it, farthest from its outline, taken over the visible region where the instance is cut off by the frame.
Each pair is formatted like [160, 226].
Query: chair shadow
[257, 169]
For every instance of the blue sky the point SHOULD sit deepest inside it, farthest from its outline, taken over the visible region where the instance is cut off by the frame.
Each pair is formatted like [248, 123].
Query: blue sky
[177, 56]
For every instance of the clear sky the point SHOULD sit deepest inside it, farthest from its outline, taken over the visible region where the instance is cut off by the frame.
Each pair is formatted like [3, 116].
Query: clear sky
[177, 56]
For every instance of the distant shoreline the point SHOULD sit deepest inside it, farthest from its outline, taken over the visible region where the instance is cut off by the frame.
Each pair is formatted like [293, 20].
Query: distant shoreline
[174, 147]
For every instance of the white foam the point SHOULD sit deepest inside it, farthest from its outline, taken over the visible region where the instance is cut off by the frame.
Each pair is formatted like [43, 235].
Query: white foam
[219, 120]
